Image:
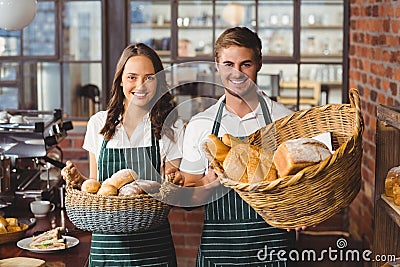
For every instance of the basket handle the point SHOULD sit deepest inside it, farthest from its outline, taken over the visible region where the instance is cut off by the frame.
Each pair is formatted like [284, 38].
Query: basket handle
[355, 103]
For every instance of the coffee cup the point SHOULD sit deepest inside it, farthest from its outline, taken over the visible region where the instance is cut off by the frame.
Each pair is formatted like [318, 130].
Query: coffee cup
[40, 208]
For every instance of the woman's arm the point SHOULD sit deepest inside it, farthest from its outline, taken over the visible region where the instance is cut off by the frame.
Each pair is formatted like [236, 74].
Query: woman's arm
[92, 166]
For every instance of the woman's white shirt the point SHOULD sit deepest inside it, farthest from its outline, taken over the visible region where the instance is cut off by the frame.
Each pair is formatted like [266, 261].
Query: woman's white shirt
[141, 137]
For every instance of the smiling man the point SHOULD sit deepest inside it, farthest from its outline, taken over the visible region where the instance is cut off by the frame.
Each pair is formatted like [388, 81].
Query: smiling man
[233, 233]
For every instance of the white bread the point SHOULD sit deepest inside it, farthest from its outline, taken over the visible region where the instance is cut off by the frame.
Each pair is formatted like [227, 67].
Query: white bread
[294, 155]
[121, 178]
[249, 164]
[107, 190]
[131, 189]
[91, 186]
[235, 163]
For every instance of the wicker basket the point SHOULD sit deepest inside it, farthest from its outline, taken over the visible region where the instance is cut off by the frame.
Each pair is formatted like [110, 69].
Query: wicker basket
[115, 214]
[317, 192]
[14, 236]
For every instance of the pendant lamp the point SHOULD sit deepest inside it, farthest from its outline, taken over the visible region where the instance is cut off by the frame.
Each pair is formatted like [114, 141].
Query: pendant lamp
[233, 14]
[16, 14]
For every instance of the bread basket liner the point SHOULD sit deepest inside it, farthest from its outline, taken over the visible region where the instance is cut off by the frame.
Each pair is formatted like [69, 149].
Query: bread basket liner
[317, 192]
[14, 236]
[116, 214]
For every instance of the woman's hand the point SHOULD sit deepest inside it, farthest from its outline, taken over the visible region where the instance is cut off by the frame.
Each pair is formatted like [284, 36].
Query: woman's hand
[72, 175]
[174, 176]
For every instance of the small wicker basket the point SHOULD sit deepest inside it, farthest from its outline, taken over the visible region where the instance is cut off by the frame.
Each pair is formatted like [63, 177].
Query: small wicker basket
[14, 236]
[115, 214]
[317, 192]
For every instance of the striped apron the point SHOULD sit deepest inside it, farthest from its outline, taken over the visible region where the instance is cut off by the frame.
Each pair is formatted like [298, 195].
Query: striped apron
[150, 248]
[234, 234]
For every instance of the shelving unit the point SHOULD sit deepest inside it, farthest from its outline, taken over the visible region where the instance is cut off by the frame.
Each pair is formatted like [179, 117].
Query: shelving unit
[387, 215]
[303, 40]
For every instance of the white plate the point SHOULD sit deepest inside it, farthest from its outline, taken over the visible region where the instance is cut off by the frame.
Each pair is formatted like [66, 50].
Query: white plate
[24, 244]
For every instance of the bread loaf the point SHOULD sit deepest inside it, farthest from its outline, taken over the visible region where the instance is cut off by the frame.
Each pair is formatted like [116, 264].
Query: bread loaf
[293, 155]
[235, 163]
[121, 178]
[230, 140]
[107, 190]
[91, 186]
[217, 148]
[392, 177]
[249, 164]
[131, 189]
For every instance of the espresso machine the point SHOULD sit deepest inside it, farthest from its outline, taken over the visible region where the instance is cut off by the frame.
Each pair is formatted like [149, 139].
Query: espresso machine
[30, 158]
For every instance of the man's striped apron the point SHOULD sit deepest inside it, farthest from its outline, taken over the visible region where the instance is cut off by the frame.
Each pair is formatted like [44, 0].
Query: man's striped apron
[234, 234]
[150, 248]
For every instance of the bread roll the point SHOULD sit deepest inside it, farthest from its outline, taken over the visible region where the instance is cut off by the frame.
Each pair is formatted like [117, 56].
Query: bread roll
[148, 186]
[91, 186]
[107, 190]
[121, 178]
[131, 189]
[294, 155]
[392, 177]
[217, 148]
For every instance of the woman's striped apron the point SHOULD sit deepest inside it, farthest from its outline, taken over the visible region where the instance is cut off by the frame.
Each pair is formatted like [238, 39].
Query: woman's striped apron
[234, 234]
[150, 248]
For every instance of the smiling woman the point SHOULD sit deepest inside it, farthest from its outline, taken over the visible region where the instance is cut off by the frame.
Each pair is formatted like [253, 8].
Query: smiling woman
[139, 131]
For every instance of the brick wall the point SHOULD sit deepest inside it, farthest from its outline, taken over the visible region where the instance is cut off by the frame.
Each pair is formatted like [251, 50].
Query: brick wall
[374, 69]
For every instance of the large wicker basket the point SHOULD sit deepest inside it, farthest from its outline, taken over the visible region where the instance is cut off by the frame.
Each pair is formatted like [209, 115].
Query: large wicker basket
[317, 192]
[116, 214]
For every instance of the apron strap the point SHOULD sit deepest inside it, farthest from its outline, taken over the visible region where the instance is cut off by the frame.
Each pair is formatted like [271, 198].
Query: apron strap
[217, 121]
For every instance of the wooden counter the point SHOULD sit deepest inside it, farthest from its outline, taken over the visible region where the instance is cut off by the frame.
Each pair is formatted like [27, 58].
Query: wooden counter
[75, 257]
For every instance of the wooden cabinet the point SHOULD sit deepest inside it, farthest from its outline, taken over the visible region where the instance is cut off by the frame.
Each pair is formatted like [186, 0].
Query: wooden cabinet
[387, 215]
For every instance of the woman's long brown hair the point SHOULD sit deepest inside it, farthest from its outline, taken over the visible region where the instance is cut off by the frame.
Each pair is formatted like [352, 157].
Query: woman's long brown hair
[163, 114]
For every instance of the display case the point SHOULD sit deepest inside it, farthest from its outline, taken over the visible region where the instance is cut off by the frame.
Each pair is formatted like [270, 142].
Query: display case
[303, 41]
[387, 214]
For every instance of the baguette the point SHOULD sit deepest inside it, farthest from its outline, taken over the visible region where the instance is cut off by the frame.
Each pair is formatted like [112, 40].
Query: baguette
[217, 148]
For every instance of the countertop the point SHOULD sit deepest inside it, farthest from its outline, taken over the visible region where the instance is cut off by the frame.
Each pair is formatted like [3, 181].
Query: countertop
[75, 257]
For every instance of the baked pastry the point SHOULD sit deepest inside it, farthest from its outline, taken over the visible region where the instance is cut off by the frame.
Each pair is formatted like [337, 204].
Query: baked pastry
[121, 178]
[217, 148]
[294, 155]
[14, 228]
[91, 186]
[3, 221]
[235, 163]
[107, 190]
[131, 189]
[392, 177]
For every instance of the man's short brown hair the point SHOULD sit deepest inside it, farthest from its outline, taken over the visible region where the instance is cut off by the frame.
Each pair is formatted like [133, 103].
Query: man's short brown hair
[238, 36]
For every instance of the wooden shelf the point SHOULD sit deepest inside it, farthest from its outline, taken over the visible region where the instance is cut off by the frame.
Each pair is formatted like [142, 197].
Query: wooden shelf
[392, 209]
